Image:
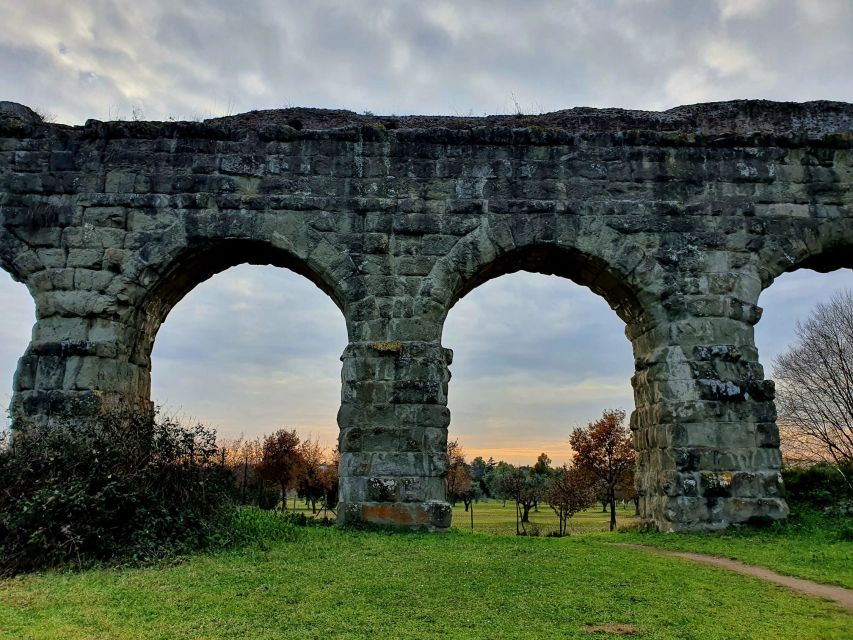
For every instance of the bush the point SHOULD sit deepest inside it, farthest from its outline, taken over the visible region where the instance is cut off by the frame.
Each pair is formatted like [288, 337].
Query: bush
[98, 486]
[820, 485]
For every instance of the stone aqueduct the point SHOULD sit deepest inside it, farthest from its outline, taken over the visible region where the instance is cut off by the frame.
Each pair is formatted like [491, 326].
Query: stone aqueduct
[678, 219]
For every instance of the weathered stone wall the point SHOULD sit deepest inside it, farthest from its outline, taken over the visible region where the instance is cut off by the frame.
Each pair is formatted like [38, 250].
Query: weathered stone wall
[678, 219]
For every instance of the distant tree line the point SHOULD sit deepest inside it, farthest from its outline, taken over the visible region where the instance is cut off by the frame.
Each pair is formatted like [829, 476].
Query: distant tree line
[267, 468]
[602, 470]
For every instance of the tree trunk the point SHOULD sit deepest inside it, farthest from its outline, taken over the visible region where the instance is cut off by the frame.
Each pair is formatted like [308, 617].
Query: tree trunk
[245, 479]
[637, 506]
[283, 496]
[526, 515]
[516, 519]
[612, 510]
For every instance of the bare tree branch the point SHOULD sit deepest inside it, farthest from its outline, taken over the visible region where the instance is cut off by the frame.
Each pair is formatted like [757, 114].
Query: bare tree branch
[815, 386]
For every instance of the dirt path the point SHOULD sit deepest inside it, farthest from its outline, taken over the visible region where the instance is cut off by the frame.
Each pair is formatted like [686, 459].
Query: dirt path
[839, 595]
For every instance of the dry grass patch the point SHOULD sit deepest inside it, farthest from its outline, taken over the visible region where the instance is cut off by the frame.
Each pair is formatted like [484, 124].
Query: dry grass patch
[613, 629]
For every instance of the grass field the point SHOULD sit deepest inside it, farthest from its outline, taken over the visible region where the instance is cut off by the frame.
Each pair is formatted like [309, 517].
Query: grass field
[808, 546]
[497, 517]
[491, 516]
[330, 583]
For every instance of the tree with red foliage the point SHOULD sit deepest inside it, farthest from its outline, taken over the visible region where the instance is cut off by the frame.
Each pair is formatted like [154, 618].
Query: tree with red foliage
[571, 490]
[458, 473]
[603, 449]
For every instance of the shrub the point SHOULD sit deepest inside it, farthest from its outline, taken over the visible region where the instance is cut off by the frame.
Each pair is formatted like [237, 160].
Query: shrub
[820, 485]
[97, 486]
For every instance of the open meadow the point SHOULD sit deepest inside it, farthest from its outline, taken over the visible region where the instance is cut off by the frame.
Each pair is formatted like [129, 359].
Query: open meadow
[807, 546]
[498, 517]
[323, 582]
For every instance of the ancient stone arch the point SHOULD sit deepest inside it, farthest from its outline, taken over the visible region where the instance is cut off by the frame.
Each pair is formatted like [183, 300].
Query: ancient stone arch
[678, 219]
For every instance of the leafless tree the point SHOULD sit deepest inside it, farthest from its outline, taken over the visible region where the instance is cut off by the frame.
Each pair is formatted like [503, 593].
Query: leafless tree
[242, 457]
[815, 386]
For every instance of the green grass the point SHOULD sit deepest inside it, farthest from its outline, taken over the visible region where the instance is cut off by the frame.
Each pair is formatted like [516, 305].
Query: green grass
[491, 516]
[810, 545]
[330, 583]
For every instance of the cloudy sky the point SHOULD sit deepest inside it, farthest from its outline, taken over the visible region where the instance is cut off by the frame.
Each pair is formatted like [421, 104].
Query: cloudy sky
[257, 348]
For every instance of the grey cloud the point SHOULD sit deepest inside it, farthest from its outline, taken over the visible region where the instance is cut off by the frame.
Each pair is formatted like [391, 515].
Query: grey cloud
[197, 58]
[790, 299]
[251, 350]
[524, 320]
[256, 348]
[534, 354]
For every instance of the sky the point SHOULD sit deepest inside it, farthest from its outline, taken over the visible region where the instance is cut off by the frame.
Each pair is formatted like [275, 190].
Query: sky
[257, 348]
